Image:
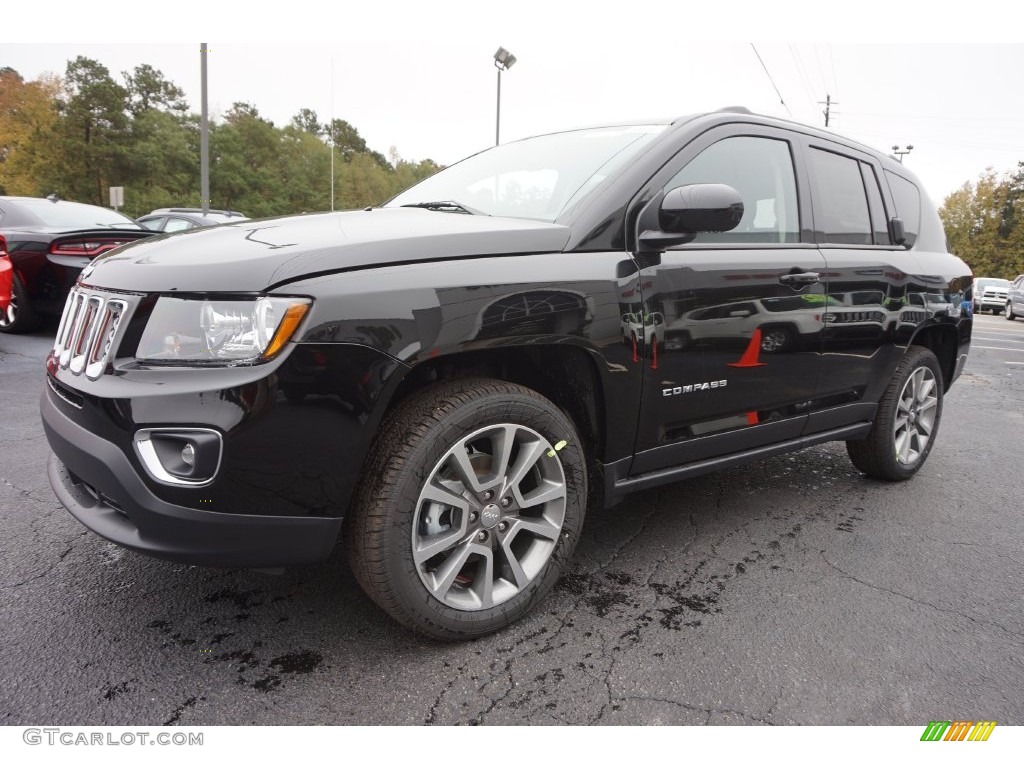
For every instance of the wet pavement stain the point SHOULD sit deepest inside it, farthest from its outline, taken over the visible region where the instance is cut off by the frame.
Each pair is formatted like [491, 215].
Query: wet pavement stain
[111, 692]
[298, 663]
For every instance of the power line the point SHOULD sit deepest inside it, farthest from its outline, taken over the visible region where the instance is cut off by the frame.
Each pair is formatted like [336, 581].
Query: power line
[821, 71]
[832, 59]
[803, 76]
[771, 79]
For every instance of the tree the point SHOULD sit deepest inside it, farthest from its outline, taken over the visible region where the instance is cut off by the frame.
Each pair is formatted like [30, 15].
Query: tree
[149, 89]
[307, 120]
[93, 124]
[28, 117]
[984, 225]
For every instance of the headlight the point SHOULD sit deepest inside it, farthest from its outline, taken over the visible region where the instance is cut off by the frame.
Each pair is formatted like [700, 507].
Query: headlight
[220, 331]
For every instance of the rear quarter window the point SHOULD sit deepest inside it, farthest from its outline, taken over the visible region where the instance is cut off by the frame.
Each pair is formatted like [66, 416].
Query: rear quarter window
[907, 198]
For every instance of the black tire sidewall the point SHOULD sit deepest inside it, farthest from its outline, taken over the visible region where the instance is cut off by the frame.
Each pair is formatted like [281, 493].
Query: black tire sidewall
[888, 409]
[428, 614]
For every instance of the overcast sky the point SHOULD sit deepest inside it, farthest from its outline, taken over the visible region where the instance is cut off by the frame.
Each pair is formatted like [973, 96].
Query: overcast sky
[420, 77]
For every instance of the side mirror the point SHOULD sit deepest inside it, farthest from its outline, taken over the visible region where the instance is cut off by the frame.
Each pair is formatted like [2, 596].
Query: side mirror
[700, 208]
[896, 231]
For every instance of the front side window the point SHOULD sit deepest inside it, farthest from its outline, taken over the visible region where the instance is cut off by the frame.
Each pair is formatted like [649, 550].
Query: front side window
[840, 202]
[761, 170]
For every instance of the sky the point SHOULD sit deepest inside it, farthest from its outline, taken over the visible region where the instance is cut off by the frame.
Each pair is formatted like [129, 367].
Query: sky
[420, 77]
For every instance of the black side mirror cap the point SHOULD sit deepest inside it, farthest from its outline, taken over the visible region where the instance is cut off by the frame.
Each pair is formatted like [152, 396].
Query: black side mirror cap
[696, 208]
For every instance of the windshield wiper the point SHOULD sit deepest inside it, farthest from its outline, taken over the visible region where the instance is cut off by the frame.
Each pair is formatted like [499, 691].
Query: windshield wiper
[448, 206]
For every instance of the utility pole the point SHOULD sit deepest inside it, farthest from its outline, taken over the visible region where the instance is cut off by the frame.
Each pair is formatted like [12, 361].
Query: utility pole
[204, 142]
[828, 107]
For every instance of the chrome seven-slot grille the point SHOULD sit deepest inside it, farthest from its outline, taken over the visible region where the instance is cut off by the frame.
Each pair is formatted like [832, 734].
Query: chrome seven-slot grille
[85, 339]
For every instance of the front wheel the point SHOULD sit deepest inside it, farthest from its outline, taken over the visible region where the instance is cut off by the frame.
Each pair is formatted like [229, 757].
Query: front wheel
[775, 340]
[20, 315]
[471, 503]
[1010, 315]
[907, 420]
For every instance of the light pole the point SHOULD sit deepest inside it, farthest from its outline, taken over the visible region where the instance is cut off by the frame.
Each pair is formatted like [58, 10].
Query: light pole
[502, 60]
[901, 152]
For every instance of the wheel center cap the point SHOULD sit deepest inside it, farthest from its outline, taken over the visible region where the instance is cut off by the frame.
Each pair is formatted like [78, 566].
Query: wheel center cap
[490, 515]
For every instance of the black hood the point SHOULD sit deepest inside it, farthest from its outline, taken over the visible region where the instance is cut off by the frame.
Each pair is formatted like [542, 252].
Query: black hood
[257, 255]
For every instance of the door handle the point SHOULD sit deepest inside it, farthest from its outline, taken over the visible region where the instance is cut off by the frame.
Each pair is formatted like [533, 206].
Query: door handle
[801, 278]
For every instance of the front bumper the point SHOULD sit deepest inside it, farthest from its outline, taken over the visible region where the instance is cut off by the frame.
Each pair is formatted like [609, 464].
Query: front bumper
[117, 505]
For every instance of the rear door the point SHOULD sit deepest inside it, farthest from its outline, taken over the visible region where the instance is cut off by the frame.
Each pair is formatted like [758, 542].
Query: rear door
[870, 283]
[740, 355]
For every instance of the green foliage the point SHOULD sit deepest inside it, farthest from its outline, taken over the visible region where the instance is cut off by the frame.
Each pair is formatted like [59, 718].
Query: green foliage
[984, 223]
[81, 134]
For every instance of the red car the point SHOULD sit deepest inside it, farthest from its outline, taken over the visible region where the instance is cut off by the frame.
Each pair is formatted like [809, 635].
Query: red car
[6, 281]
[49, 242]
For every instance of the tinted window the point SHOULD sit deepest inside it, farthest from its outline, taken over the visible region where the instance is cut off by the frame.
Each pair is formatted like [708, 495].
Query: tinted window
[178, 225]
[840, 204]
[908, 205]
[761, 170]
[74, 215]
[879, 222]
[153, 224]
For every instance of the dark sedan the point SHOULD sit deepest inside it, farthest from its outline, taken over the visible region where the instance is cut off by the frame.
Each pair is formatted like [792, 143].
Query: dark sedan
[50, 241]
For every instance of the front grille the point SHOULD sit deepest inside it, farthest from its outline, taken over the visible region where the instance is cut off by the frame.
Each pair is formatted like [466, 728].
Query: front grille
[87, 332]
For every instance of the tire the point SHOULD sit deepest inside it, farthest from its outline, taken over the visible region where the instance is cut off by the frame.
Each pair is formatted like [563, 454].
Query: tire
[20, 317]
[445, 558]
[1009, 312]
[775, 340]
[907, 422]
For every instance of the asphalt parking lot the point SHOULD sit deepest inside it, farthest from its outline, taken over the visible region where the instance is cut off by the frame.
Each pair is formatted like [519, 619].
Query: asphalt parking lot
[790, 591]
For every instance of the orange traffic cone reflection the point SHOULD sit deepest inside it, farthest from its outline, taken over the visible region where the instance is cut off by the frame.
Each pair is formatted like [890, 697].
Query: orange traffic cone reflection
[749, 358]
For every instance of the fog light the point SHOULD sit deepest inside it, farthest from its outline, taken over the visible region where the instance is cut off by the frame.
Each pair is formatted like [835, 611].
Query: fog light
[180, 456]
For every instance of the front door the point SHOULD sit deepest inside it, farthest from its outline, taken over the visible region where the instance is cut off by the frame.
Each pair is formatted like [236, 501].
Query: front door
[740, 312]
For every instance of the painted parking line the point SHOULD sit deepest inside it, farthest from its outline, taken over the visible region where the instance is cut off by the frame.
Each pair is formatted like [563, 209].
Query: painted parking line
[992, 338]
[1004, 349]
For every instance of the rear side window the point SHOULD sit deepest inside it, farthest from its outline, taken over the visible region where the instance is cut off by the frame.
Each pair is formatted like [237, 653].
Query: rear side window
[840, 203]
[761, 170]
[907, 198]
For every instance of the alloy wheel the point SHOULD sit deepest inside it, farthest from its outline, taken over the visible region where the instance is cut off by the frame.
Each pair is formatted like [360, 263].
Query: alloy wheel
[915, 415]
[489, 517]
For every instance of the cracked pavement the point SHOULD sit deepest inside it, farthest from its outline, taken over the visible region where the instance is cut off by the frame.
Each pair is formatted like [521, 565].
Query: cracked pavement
[788, 591]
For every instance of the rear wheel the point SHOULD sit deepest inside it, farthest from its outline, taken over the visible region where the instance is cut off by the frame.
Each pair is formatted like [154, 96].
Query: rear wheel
[907, 420]
[20, 316]
[472, 501]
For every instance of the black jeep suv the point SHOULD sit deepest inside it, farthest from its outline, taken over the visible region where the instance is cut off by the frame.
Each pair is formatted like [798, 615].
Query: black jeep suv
[445, 381]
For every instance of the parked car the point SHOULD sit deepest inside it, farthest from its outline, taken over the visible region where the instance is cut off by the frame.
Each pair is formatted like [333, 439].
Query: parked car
[990, 293]
[1015, 299]
[49, 242]
[180, 219]
[6, 280]
[639, 328]
[243, 396]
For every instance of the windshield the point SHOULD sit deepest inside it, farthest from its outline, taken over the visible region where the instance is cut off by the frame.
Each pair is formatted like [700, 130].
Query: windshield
[995, 282]
[535, 178]
[75, 215]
